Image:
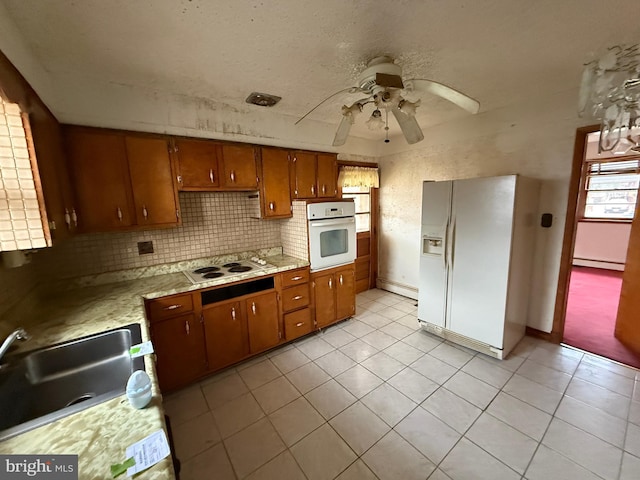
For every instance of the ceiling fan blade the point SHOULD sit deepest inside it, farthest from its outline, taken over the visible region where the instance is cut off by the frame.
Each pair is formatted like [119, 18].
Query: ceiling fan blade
[471, 105]
[343, 131]
[409, 126]
[344, 90]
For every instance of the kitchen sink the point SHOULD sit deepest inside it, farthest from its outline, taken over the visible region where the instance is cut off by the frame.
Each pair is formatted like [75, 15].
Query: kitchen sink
[44, 385]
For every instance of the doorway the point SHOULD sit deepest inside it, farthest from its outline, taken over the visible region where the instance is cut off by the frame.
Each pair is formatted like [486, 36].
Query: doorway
[602, 202]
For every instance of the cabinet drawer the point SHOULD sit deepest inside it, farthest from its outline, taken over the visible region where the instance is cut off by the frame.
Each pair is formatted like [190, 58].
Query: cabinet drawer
[297, 324]
[295, 297]
[295, 277]
[166, 307]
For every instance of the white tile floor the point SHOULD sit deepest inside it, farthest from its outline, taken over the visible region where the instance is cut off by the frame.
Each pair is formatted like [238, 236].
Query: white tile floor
[376, 397]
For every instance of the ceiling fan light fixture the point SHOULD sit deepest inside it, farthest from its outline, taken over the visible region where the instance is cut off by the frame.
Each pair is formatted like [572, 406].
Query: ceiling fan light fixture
[408, 108]
[375, 121]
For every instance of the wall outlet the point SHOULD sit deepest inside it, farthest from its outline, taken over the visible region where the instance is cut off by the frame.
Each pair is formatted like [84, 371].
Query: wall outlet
[145, 247]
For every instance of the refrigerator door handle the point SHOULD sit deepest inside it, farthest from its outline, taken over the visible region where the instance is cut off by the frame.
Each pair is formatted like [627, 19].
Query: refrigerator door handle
[453, 242]
[445, 242]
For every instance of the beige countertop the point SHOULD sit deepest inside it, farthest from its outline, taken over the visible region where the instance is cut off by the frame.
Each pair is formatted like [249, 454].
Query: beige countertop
[101, 434]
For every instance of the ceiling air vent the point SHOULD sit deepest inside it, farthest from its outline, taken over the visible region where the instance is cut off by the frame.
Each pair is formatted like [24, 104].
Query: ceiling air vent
[262, 99]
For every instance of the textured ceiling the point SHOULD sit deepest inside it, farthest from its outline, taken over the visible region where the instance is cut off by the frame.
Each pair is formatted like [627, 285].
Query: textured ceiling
[500, 52]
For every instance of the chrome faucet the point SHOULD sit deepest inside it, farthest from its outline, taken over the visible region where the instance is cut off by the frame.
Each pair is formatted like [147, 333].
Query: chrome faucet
[18, 334]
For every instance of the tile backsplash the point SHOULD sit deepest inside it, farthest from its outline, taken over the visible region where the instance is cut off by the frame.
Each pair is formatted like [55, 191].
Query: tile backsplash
[213, 223]
[295, 238]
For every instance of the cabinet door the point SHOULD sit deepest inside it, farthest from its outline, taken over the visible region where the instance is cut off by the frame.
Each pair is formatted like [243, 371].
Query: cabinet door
[304, 168]
[345, 293]
[274, 187]
[197, 164]
[327, 176]
[98, 162]
[154, 192]
[54, 175]
[324, 299]
[239, 167]
[179, 346]
[263, 321]
[226, 334]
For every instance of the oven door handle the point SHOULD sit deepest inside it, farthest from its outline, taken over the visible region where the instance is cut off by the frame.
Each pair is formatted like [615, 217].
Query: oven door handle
[327, 223]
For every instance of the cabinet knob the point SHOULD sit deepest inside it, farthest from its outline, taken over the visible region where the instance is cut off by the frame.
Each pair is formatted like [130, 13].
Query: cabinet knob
[187, 327]
[341, 282]
[296, 278]
[119, 214]
[324, 189]
[313, 189]
[272, 206]
[145, 212]
[330, 282]
[299, 324]
[297, 297]
[67, 218]
[211, 175]
[74, 217]
[233, 313]
[253, 307]
[233, 176]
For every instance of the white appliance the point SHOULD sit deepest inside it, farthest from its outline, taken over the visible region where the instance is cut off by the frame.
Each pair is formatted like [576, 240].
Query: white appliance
[476, 261]
[332, 234]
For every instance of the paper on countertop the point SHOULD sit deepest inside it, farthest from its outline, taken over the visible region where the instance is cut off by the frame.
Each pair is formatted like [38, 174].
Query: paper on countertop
[141, 349]
[148, 451]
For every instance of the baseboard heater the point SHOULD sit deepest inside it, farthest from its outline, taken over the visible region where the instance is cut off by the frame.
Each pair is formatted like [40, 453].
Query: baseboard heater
[462, 340]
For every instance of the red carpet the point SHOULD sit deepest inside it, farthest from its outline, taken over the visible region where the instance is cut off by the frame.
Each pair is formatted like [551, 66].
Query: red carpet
[591, 314]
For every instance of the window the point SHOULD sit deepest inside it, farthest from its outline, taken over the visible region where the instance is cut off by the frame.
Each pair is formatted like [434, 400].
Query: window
[612, 189]
[362, 200]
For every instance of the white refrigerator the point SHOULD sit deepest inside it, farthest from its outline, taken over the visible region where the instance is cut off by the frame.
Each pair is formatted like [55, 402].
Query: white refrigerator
[477, 243]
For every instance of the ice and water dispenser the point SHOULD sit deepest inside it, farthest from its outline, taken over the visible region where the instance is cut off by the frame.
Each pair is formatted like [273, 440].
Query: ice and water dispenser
[433, 242]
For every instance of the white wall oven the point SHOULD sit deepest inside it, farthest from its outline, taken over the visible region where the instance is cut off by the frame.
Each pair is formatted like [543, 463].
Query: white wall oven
[332, 234]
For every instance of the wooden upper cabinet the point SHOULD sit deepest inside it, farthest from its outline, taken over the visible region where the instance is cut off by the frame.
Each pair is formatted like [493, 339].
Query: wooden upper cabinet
[121, 180]
[197, 164]
[154, 195]
[100, 172]
[275, 198]
[303, 175]
[54, 175]
[238, 167]
[327, 175]
[314, 175]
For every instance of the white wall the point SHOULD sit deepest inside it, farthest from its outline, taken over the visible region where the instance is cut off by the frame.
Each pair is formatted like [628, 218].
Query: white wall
[534, 139]
[601, 245]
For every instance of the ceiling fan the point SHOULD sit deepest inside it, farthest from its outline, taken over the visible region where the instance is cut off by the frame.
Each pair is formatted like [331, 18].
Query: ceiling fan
[384, 87]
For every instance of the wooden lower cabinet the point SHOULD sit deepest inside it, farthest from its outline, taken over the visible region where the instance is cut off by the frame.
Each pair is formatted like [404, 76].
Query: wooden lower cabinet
[225, 328]
[180, 351]
[263, 322]
[333, 295]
